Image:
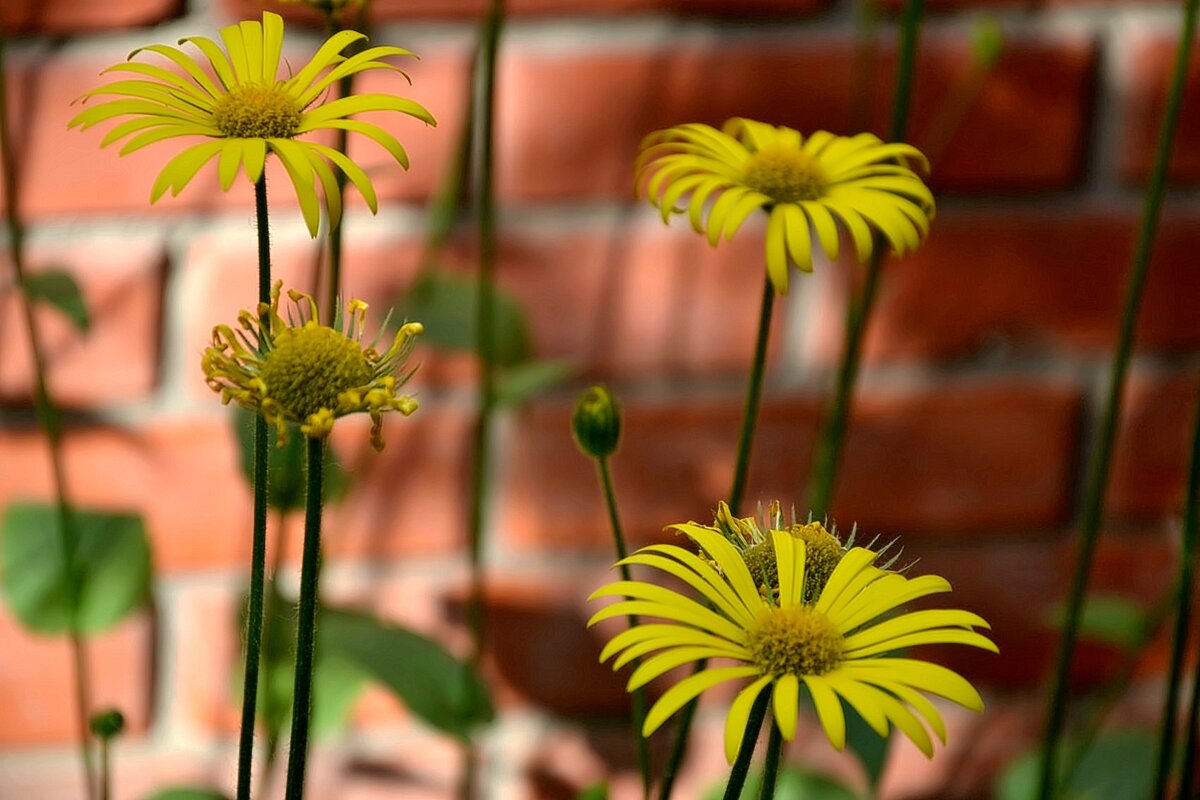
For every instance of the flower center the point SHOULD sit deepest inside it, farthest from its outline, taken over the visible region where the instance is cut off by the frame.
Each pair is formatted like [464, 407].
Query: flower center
[307, 368]
[257, 111]
[794, 641]
[784, 174]
[822, 552]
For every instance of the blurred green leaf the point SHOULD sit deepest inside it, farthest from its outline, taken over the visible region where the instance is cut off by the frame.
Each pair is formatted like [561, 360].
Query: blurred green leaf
[112, 564]
[446, 305]
[987, 41]
[1119, 764]
[1109, 619]
[523, 382]
[188, 793]
[445, 692]
[286, 468]
[57, 288]
[791, 784]
[598, 791]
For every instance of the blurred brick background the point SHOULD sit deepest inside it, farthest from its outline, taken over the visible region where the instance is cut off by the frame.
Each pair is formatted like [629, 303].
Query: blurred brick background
[985, 364]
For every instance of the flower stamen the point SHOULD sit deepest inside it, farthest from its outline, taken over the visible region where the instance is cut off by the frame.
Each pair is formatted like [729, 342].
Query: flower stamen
[794, 641]
[785, 175]
[257, 111]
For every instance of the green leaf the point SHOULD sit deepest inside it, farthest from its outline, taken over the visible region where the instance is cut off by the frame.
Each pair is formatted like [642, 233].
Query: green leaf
[791, 784]
[188, 793]
[57, 288]
[446, 305]
[864, 742]
[597, 791]
[1109, 619]
[445, 692]
[286, 467]
[522, 382]
[1119, 763]
[112, 568]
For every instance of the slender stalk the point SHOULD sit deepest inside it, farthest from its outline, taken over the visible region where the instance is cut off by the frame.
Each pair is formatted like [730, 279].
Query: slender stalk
[639, 694]
[833, 429]
[1166, 742]
[48, 417]
[1098, 467]
[741, 469]
[1191, 744]
[485, 314]
[306, 625]
[741, 765]
[258, 539]
[771, 765]
[105, 770]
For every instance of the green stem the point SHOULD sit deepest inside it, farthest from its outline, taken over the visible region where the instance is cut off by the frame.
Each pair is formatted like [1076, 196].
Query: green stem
[1166, 744]
[741, 765]
[485, 313]
[833, 429]
[1191, 744]
[741, 469]
[1098, 467]
[48, 418]
[771, 765]
[105, 771]
[639, 694]
[306, 624]
[258, 539]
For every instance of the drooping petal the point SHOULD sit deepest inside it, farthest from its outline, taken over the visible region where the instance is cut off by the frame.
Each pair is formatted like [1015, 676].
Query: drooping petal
[739, 715]
[183, 167]
[690, 687]
[829, 710]
[786, 700]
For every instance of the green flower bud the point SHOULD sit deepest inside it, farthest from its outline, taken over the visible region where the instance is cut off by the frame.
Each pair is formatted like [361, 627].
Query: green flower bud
[596, 423]
[107, 724]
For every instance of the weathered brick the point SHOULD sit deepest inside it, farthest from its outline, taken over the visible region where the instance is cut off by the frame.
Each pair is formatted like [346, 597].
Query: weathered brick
[1152, 450]
[945, 459]
[1151, 59]
[80, 16]
[1029, 116]
[117, 359]
[37, 680]
[1027, 282]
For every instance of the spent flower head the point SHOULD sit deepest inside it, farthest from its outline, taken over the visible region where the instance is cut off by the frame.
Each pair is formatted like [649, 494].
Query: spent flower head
[843, 644]
[302, 372]
[248, 111]
[801, 183]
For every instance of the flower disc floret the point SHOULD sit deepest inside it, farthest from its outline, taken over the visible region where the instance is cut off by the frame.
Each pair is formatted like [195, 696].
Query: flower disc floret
[300, 372]
[236, 101]
[816, 185]
[795, 641]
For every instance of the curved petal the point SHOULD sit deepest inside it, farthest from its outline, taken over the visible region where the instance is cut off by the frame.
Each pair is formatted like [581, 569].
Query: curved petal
[292, 157]
[158, 134]
[693, 614]
[355, 173]
[860, 232]
[798, 240]
[777, 263]
[324, 57]
[272, 46]
[829, 710]
[705, 571]
[359, 62]
[254, 156]
[231, 159]
[923, 675]
[678, 695]
[668, 660]
[732, 565]
[374, 132]
[707, 619]
[183, 167]
[881, 597]
[789, 564]
[734, 610]
[738, 718]
[786, 700]
[826, 228]
[852, 564]
[933, 636]
[216, 57]
[184, 62]
[912, 622]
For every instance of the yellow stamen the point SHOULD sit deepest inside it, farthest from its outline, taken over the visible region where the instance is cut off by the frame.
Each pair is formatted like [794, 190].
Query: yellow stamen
[794, 641]
[257, 111]
[784, 174]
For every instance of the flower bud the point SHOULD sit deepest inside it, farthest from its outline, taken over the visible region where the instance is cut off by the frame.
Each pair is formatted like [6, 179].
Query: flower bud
[596, 423]
[107, 724]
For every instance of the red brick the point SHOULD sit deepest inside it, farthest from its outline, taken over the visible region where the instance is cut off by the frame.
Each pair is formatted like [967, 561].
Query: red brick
[945, 459]
[1151, 58]
[384, 10]
[1029, 283]
[78, 16]
[1029, 116]
[56, 162]
[37, 680]
[117, 360]
[1153, 443]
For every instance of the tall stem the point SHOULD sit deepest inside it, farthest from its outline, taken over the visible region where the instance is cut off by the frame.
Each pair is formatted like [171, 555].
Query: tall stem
[741, 765]
[485, 313]
[258, 538]
[771, 765]
[1166, 742]
[1191, 740]
[833, 430]
[740, 471]
[639, 694]
[306, 624]
[48, 417]
[1098, 467]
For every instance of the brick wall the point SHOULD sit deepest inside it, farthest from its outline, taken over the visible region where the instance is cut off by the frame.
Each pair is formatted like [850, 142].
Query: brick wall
[985, 364]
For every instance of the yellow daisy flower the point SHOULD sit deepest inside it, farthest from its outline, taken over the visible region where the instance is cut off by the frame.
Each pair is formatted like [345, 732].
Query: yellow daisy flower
[302, 372]
[835, 646]
[247, 111]
[859, 180]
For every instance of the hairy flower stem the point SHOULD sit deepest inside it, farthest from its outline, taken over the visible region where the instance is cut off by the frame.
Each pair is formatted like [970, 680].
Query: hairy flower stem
[740, 470]
[639, 694]
[1101, 459]
[306, 624]
[48, 417]
[485, 348]
[741, 765]
[833, 428]
[771, 765]
[1187, 558]
[258, 538]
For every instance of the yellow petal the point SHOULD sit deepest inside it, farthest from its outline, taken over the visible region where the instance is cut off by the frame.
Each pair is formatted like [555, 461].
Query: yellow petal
[787, 705]
[829, 710]
[777, 266]
[687, 689]
[738, 718]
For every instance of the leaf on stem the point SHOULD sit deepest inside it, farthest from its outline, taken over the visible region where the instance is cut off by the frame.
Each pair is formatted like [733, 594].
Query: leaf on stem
[57, 288]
